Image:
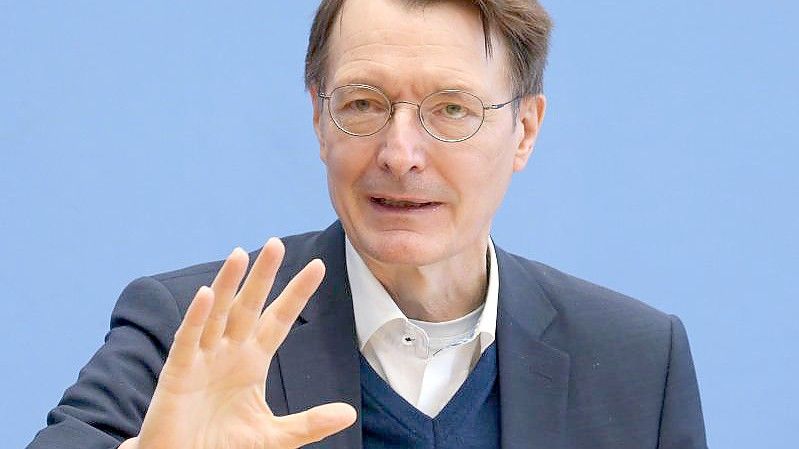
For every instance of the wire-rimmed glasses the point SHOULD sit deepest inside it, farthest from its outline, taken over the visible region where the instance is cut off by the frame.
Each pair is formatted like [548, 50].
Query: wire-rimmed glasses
[450, 115]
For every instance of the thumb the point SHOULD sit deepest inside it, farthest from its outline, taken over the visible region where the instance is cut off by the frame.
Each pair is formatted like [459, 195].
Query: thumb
[314, 424]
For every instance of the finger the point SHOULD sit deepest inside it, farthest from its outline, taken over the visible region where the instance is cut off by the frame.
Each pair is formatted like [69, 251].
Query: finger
[314, 424]
[249, 302]
[225, 285]
[187, 338]
[276, 321]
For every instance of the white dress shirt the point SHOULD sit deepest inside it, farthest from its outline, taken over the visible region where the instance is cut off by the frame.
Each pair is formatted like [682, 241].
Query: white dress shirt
[425, 363]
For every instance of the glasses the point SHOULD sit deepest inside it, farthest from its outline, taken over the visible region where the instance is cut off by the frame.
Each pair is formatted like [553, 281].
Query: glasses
[450, 115]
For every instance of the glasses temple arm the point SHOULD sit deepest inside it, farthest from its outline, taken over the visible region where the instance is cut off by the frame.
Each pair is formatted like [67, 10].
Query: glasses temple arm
[501, 105]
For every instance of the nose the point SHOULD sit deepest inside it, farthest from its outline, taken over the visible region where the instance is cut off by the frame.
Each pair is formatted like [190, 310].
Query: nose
[401, 151]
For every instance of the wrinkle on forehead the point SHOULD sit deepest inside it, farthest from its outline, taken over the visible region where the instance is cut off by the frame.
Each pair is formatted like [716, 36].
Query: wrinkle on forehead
[431, 78]
[448, 36]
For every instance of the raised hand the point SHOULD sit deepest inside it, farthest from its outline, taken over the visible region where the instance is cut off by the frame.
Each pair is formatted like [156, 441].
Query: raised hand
[210, 394]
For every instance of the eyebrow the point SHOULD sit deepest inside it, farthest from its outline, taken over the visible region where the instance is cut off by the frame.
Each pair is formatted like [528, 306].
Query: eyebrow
[371, 80]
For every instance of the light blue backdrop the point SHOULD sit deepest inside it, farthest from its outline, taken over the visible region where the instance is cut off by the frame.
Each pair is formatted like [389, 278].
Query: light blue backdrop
[137, 137]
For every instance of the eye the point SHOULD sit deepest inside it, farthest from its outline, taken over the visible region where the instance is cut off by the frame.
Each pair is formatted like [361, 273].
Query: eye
[451, 110]
[454, 110]
[362, 105]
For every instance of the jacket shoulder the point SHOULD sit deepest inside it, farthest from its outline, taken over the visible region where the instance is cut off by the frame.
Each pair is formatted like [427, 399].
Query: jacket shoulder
[589, 318]
[582, 299]
[183, 283]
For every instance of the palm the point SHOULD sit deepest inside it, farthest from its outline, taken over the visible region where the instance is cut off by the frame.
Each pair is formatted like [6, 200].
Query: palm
[210, 394]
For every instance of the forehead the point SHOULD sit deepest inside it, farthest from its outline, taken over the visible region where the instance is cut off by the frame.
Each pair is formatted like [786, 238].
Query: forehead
[389, 43]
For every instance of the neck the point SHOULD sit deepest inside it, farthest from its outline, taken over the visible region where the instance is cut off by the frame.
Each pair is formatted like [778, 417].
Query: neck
[443, 291]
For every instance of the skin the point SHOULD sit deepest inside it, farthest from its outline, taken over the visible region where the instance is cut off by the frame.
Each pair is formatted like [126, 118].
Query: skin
[432, 264]
[210, 393]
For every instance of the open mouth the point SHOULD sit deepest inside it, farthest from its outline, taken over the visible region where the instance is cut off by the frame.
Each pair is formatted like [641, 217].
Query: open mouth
[403, 205]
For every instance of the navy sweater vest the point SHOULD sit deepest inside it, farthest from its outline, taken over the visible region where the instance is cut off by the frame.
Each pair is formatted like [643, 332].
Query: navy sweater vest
[469, 420]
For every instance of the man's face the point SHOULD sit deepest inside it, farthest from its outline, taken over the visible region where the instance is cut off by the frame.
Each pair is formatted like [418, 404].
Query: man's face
[404, 197]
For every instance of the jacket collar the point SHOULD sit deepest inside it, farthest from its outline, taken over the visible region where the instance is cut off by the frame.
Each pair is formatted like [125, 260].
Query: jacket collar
[319, 360]
[533, 376]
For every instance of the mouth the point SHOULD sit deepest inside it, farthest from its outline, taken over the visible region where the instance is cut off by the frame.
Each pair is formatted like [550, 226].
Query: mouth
[396, 204]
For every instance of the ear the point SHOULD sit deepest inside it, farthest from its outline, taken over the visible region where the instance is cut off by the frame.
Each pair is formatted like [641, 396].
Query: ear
[531, 115]
[318, 105]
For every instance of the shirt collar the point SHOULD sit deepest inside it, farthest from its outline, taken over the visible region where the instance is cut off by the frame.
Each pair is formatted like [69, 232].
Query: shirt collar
[374, 308]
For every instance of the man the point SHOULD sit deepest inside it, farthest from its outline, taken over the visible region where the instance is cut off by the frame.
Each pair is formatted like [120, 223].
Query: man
[418, 332]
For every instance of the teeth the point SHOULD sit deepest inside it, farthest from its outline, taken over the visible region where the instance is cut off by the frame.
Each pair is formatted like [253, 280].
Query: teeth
[400, 203]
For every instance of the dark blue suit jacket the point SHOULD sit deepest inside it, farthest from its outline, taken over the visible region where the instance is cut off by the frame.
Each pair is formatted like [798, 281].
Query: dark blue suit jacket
[579, 366]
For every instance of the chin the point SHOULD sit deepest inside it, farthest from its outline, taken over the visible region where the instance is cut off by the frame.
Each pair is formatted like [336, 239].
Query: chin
[400, 247]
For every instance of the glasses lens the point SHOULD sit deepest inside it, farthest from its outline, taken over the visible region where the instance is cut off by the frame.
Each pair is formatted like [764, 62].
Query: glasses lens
[452, 115]
[359, 110]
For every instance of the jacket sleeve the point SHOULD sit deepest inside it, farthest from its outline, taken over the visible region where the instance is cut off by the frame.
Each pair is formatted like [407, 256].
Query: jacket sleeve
[681, 423]
[108, 402]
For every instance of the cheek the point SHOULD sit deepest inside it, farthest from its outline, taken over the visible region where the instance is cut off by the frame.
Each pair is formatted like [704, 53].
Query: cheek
[339, 183]
[346, 165]
[482, 173]
[339, 174]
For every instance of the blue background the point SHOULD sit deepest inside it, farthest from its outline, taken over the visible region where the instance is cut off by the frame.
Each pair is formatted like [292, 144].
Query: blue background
[137, 137]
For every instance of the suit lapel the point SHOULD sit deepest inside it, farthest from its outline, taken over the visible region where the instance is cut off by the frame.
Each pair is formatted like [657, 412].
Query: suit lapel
[319, 359]
[533, 377]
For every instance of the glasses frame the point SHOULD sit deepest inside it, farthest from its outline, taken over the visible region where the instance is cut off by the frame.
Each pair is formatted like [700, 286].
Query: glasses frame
[323, 96]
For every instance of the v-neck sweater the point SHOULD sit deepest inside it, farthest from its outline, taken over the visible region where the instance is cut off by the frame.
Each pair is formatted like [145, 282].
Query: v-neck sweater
[469, 420]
